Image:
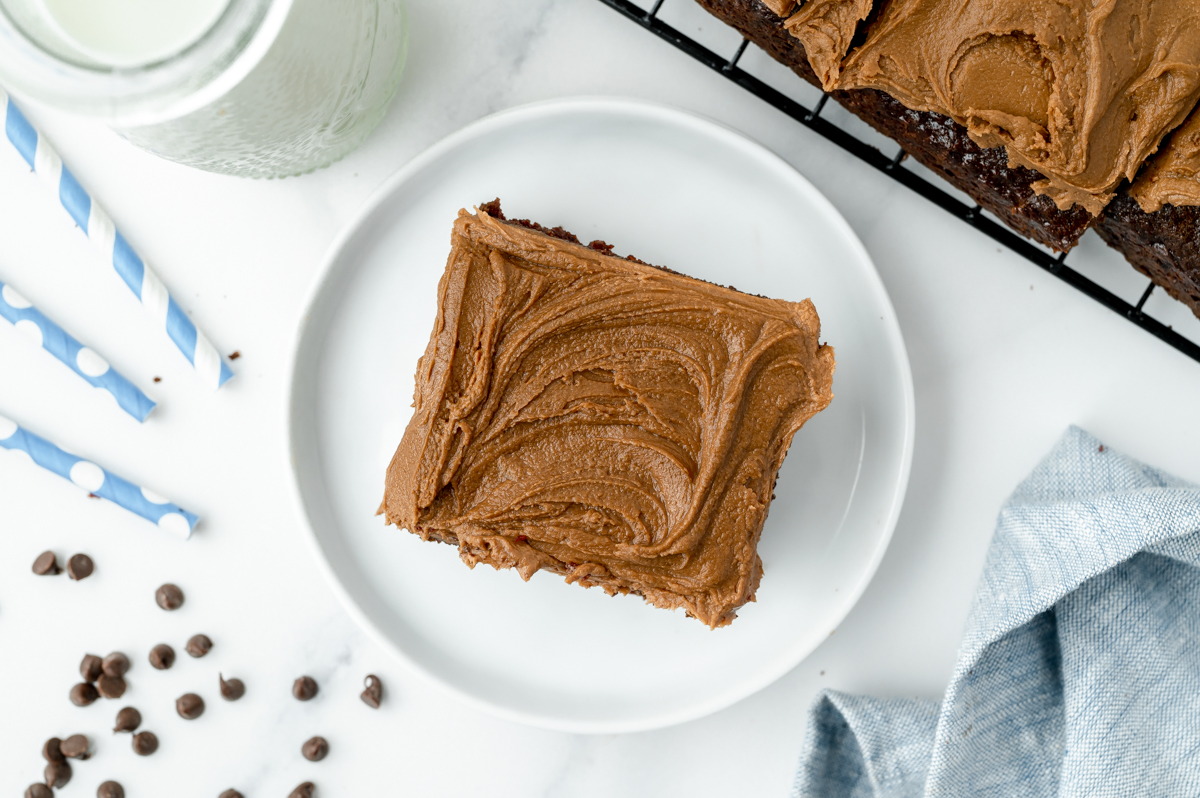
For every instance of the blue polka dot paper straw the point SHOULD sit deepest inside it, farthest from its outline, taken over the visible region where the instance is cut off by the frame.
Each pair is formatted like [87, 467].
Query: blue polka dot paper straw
[82, 360]
[94, 479]
[98, 225]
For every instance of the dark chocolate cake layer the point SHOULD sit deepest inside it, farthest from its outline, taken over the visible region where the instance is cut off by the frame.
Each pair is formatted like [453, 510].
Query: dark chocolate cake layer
[934, 140]
[1164, 245]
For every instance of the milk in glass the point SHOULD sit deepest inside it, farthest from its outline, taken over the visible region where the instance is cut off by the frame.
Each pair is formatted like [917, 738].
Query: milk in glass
[259, 88]
[132, 32]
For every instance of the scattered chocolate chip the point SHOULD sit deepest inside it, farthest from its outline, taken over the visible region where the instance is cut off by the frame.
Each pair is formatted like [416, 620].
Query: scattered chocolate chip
[169, 597]
[231, 794]
[232, 689]
[111, 686]
[128, 719]
[304, 688]
[162, 657]
[57, 774]
[91, 667]
[158, 379]
[235, 354]
[145, 743]
[80, 566]
[116, 664]
[83, 694]
[189, 706]
[46, 564]
[40, 790]
[52, 750]
[110, 789]
[305, 790]
[315, 749]
[374, 692]
[75, 747]
[198, 645]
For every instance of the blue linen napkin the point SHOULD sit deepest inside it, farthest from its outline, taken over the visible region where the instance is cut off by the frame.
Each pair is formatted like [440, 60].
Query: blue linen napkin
[1079, 674]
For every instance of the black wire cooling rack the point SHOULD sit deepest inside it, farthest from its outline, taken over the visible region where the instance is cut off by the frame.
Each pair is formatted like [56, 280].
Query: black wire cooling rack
[891, 166]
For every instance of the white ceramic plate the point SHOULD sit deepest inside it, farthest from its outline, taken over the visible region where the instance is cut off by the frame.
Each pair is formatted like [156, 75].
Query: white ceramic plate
[674, 190]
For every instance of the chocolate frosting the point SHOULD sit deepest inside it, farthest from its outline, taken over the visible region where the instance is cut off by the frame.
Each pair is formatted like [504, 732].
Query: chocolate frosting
[1173, 176]
[616, 423]
[1079, 90]
[826, 28]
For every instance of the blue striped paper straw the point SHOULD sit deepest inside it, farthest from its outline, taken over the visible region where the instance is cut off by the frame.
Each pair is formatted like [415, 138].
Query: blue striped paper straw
[95, 221]
[170, 517]
[83, 360]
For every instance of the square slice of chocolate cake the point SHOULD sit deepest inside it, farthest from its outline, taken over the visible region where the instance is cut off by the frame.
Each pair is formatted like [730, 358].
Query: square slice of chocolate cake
[610, 421]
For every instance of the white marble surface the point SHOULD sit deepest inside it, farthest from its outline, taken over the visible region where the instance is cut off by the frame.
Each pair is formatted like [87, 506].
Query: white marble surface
[1004, 358]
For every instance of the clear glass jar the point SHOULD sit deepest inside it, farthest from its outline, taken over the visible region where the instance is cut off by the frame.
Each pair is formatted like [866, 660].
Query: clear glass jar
[273, 88]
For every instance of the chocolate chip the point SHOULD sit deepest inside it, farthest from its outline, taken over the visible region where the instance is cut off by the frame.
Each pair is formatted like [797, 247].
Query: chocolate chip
[57, 774]
[128, 719]
[83, 694]
[374, 692]
[110, 789]
[162, 657]
[145, 743]
[235, 355]
[169, 597]
[91, 667]
[46, 564]
[40, 790]
[189, 706]
[75, 747]
[80, 566]
[231, 794]
[52, 750]
[198, 645]
[304, 688]
[116, 664]
[315, 749]
[305, 790]
[232, 689]
[111, 686]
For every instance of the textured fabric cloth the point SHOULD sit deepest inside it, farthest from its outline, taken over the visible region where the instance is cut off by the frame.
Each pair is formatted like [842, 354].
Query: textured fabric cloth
[1079, 674]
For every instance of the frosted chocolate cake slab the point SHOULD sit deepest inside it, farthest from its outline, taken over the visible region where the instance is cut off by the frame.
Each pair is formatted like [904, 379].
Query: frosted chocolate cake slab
[1154, 223]
[1081, 92]
[616, 423]
[935, 140]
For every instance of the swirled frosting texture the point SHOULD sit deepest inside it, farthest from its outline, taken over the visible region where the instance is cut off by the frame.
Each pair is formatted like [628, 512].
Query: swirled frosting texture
[1173, 176]
[1081, 91]
[603, 419]
[826, 28]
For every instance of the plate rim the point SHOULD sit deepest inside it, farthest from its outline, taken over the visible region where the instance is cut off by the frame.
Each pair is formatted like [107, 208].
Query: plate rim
[331, 265]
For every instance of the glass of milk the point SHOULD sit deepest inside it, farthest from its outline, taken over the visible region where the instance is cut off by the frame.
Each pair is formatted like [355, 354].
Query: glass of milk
[260, 88]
